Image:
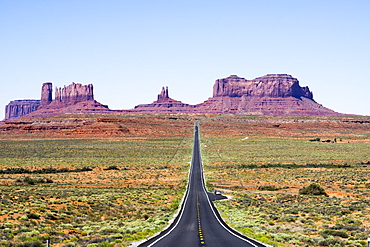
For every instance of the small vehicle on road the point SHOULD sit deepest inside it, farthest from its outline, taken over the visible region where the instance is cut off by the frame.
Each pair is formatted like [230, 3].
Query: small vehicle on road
[217, 192]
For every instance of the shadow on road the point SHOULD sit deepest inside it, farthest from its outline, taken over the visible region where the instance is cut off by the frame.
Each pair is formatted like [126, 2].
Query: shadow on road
[214, 197]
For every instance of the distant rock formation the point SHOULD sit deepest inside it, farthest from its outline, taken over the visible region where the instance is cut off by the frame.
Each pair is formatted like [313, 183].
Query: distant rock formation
[71, 94]
[72, 98]
[163, 104]
[46, 93]
[271, 85]
[74, 93]
[163, 96]
[247, 105]
[272, 94]
[19, 108]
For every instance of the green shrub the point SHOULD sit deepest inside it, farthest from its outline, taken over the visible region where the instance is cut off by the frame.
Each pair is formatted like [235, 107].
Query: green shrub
[313, 190]
[5, 243]
[30, 244]
[331, 242]
[113, 167]
[116, 236]
[33, 181]
[33, 216]
[268, 188]
[29, 180]
[331, 232]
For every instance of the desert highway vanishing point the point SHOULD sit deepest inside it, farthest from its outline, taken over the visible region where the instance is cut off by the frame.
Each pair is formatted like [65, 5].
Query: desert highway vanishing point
[198, 222]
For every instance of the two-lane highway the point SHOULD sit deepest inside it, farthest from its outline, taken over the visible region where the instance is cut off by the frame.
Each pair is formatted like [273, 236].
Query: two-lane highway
[198, 222]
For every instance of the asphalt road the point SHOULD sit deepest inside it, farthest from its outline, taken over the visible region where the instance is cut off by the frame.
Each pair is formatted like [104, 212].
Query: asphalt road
[198, 223]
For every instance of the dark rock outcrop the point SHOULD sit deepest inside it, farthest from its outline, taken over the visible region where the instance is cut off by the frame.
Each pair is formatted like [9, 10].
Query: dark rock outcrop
[19, 108]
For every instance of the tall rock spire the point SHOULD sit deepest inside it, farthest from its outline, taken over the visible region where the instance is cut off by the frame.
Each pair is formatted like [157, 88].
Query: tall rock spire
[46, 93]
[163, 96]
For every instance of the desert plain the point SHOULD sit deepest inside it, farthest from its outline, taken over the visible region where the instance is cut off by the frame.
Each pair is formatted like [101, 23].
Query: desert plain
[95, 179]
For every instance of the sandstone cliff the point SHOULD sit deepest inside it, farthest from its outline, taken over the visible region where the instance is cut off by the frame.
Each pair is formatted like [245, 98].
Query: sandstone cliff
[271, 85]
[19, 108]
[74, 93]
[71, 94]
[72, 98]
[272, 94]
[46, 93]
[248, 105]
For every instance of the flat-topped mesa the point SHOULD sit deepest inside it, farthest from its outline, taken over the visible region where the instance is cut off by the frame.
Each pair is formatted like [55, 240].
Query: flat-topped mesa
[19, 108]
[271, 85]
[163, 96]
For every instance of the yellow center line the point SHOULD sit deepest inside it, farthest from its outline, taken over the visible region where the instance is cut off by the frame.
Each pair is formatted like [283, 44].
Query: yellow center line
[201, 238]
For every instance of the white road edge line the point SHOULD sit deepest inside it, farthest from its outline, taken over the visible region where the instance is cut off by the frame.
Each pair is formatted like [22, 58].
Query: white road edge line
[183, 203]
[209, 202]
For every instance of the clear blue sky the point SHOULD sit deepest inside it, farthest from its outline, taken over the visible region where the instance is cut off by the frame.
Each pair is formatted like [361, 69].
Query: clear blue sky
[130, 49]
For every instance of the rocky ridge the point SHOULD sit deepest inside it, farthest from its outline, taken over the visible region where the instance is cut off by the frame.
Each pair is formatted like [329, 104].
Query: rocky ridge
[272, 94]
[72, 98]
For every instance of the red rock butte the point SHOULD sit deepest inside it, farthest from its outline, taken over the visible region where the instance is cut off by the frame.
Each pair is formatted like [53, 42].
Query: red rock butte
[72, 98]
[272, 94]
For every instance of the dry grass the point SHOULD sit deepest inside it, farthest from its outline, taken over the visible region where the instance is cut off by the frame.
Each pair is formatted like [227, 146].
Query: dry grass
[131, 191]
[151, 153]
[265, 171]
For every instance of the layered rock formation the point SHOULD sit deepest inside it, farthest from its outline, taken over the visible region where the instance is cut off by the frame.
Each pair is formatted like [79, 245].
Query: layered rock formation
[271, 85]
[74, 93]
[19, 108]
[163, 104]
[248, 105]
[272, 94]
[90, 125]
[163, 96]
[46, 93]
[72, 98]
[67, 95]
